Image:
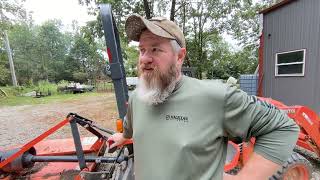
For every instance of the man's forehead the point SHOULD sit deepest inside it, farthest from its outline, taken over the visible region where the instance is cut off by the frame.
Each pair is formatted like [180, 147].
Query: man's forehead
[152, 43]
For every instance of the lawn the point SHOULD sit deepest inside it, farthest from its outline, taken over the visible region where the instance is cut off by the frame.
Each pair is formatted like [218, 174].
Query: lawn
[21, 100]
[12, 96]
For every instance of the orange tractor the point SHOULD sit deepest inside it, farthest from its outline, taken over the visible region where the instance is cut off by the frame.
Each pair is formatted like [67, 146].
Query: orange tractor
[89, 157]
[307, 147]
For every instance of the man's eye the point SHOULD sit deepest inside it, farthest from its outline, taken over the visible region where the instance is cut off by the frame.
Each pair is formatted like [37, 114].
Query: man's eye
[155, 49]
[142, 50]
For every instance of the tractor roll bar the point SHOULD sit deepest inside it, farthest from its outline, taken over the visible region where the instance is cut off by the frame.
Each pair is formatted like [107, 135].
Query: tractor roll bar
[118, 75]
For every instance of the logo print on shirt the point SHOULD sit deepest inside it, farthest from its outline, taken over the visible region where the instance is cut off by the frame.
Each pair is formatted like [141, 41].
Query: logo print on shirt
[177, 118]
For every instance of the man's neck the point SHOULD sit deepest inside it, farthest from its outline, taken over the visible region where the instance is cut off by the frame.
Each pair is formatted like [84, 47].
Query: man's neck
[179, 77]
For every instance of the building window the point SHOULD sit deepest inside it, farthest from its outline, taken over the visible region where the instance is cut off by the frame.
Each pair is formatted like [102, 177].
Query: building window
[291, 63]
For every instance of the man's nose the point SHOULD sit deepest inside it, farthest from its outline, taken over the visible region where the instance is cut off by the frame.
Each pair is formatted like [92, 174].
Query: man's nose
[146, 58]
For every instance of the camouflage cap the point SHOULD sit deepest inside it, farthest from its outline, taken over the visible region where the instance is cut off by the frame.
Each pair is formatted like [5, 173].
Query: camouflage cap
[159, 26]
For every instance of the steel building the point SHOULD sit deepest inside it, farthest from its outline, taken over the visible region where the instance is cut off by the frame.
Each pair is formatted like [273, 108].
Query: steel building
[289, 59]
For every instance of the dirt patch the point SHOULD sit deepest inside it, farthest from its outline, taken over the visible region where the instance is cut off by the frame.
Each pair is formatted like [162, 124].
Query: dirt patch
[20, 124]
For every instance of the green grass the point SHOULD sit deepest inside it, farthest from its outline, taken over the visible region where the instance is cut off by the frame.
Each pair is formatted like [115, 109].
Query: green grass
[21, 100]
[16, 91]
[15, 95]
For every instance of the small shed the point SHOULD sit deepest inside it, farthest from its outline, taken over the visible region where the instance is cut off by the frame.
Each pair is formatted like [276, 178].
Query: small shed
[289, 54]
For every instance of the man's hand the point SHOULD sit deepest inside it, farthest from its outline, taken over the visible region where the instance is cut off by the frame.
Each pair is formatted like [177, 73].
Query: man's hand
[257, 167]
[116, 139]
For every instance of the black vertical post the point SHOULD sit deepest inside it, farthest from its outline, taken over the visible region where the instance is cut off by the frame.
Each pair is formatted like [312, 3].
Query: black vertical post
[115, 58]
[77, 144]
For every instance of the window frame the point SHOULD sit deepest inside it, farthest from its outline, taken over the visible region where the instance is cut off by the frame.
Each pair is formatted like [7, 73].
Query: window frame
[292, 63]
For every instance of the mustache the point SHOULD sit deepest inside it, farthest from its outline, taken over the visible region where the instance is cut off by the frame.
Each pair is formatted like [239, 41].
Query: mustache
[147, 66]
[142, 67]
[161, 78]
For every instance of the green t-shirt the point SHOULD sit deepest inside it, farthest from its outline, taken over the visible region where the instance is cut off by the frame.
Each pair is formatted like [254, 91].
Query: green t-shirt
[186, 136]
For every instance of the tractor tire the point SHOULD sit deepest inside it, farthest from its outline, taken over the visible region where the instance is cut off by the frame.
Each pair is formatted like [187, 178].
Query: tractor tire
[296, 168]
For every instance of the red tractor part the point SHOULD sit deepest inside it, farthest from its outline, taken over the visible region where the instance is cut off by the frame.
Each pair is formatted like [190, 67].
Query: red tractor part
[232, 158]
[60, 156]
[29, 145]
[307, 147]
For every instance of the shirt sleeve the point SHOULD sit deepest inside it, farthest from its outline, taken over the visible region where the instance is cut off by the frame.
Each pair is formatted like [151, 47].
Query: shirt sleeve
[127, 122]
[246, 116]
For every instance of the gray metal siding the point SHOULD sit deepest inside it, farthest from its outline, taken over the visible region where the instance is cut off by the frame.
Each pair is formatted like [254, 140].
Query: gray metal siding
[317, 65]
[294, 26]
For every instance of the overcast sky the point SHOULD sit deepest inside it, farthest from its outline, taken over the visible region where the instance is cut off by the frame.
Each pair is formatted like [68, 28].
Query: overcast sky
[66, 10]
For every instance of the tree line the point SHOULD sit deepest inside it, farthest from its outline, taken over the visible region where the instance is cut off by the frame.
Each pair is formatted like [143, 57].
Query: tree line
[47, 52]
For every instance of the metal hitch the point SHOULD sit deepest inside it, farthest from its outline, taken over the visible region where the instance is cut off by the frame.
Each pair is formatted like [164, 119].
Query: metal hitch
[20, 163]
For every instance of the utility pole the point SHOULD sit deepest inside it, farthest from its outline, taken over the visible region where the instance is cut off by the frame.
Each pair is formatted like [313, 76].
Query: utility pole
[7, 44]
[13, 74]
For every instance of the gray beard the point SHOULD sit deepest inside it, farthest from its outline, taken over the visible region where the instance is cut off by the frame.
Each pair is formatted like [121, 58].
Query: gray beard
[154, 94]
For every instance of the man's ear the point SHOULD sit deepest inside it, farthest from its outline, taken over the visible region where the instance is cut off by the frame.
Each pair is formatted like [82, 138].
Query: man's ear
[181, 55]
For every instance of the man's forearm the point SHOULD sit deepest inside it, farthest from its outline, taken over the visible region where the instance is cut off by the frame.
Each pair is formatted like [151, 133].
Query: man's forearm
[257, 167]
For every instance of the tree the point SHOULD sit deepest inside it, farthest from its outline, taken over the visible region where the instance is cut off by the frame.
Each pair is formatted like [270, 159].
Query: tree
[234, 64]
[24, 44]
[121, 9]
[244, 22]
[50, 50]
[10, 12]
[7, 11]
[89, 56]
[147, 9]
[203, 23]
[173, 10]
[131, 58]
[4, 72]
[46, 53]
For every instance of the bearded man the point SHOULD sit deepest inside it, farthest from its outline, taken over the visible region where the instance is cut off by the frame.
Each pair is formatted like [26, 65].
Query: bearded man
[181, 126]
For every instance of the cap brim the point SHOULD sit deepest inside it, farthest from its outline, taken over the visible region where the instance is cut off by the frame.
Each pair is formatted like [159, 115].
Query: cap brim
[135, 25]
